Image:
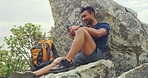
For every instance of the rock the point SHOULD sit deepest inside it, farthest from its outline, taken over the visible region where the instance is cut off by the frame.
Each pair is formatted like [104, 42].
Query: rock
[99, 69]
[127, 46]
[138, 72]
[16, 74]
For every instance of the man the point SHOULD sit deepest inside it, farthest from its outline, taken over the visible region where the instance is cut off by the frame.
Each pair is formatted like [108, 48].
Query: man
[88, 45]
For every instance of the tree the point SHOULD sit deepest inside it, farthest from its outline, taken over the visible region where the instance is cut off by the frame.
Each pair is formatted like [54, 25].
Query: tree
[20, 43]
[5, 63]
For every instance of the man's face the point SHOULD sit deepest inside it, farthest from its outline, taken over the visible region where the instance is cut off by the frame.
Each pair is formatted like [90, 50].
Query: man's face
[87, 17]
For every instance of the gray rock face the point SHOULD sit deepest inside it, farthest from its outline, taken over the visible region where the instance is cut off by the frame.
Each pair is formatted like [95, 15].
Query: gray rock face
[139, 72]
[127, 46]
[99, 69]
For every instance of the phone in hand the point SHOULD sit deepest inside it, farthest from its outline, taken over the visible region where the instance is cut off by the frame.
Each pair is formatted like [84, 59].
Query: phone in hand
[68, 28]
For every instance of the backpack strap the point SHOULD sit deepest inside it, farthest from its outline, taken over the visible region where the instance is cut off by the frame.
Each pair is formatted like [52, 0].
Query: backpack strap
[51, 52]
[44, 50]
[35, 53]
[51, 55]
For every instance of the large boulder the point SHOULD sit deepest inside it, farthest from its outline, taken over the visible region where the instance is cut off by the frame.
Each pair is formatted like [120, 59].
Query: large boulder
[127, 46]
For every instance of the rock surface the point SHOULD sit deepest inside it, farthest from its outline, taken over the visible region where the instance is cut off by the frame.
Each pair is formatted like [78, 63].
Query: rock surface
[99, 69]
[138, 72]
[127, 46]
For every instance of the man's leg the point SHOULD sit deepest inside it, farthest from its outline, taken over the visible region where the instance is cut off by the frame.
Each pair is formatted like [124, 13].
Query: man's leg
[46, 69]
[37, 73]
[82, 41]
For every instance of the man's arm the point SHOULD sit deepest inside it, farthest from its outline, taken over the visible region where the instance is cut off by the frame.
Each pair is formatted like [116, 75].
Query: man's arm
[93, 32]
[96, 33]
[72, 31]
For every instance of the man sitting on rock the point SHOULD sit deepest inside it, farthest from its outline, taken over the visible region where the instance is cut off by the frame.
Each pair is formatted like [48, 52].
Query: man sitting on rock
[88, 45]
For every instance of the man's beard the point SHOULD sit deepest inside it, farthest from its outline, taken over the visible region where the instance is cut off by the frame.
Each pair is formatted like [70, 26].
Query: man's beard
[87, 23]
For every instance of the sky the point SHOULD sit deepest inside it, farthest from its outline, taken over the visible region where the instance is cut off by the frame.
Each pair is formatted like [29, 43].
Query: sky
[19, 12]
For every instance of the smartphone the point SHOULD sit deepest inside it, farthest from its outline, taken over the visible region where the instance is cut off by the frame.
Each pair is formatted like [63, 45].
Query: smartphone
[67, 27]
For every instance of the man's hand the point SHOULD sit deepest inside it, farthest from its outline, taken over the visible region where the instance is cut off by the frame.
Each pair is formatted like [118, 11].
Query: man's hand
[73, 29]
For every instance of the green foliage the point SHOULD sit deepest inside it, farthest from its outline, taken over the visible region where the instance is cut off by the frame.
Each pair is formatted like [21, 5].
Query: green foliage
[5, 63]
[17, 57]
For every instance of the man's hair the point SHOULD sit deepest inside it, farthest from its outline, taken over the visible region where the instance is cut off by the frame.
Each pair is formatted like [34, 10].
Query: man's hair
[88, 8]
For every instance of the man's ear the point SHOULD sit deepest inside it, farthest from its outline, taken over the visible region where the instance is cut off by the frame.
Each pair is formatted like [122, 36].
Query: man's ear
[92, 13]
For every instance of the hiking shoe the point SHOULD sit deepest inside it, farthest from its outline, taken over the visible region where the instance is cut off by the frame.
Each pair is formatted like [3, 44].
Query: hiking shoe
[63, 66]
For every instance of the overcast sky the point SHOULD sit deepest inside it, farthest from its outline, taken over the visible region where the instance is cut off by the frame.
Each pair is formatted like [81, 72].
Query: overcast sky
[19, 12]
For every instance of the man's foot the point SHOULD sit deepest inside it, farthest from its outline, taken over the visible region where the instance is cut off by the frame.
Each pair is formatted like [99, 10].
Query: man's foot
[63, 66]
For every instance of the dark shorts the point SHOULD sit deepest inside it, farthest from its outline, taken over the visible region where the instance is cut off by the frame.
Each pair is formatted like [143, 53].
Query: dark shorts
[81, 58]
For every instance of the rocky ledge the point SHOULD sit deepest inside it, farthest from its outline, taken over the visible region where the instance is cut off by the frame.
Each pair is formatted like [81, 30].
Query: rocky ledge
[99, 69]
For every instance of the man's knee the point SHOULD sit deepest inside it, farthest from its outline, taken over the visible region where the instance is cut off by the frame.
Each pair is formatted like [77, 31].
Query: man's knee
[81, 31]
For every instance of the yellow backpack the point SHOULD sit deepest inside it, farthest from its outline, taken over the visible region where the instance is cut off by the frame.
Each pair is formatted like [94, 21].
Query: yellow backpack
[43, 54]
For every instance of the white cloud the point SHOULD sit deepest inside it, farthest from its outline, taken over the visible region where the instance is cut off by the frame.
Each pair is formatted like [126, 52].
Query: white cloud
[25, 10]
[143, 16]
[4, 32]
[136, 4]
